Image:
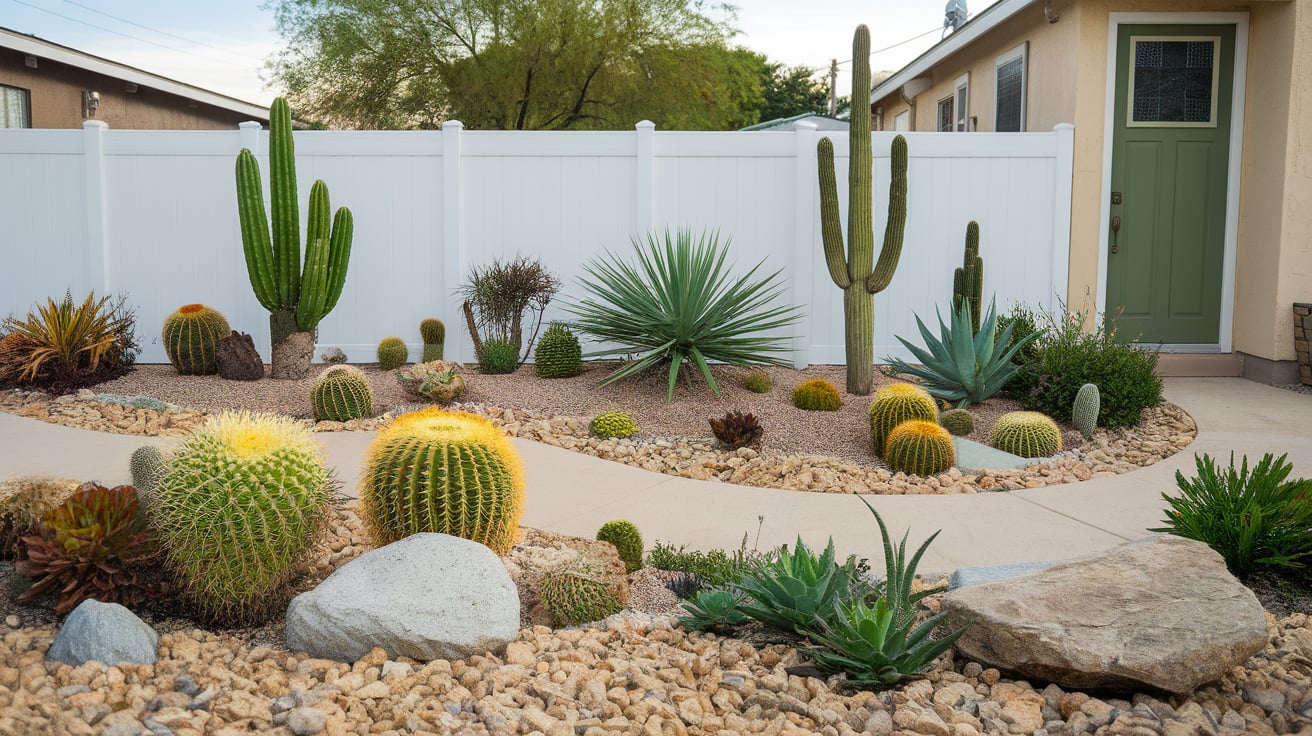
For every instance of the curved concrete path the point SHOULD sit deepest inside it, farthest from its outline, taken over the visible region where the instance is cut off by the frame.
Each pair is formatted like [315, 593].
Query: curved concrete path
[575, 494]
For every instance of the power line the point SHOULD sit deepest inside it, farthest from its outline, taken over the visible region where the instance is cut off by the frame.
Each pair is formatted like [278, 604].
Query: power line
[120, 33]
[890, 48]
[148, 28]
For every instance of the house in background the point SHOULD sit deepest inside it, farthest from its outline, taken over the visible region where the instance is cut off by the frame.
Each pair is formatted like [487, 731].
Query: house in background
[1192, 184]
[789, 125]
[45, 85]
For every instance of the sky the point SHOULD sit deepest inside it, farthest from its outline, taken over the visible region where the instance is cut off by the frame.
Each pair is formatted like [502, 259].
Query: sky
[222, 45]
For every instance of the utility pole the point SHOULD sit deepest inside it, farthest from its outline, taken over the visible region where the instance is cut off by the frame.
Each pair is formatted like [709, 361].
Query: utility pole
[833, 88]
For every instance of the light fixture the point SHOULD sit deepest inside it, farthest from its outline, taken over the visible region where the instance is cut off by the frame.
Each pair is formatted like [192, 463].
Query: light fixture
[1049, 14]
[130, 88]
[30, 61]
[90, 103]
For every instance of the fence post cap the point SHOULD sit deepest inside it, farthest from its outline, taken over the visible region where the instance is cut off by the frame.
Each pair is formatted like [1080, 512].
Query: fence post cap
[94, 124]
[645, 125]
[453, 125]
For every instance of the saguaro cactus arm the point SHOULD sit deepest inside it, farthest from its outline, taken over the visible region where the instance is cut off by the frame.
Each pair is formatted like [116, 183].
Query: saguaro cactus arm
[891, 252]
[286, 209]
[339, 255]
[831, 228]
[255, 231]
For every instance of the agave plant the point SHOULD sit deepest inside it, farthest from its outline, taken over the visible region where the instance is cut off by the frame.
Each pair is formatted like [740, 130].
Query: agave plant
[736, 429]
[712, 609]
[963, 365]
[680, 304]
[791, 589]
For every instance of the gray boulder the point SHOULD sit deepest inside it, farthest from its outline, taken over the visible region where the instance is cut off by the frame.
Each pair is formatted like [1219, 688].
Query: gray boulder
[1161, 612]
[428, 596]
[104, 632]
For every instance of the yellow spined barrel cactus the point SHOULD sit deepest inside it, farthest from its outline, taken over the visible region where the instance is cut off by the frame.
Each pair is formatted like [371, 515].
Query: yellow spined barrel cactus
[919, 448]
[443, 471]
[895, 404]
[1027, 434]
[191, 337]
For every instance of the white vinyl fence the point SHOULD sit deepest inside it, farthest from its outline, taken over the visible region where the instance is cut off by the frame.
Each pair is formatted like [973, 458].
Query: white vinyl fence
[154, 213]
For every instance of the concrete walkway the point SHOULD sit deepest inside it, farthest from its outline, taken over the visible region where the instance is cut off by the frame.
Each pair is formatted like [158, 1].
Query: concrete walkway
[575, 494]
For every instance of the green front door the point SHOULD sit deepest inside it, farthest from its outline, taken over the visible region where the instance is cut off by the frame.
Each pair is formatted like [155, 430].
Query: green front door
[1170, 149]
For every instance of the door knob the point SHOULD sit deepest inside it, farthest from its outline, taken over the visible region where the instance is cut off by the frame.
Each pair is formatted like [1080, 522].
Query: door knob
[1116, 234]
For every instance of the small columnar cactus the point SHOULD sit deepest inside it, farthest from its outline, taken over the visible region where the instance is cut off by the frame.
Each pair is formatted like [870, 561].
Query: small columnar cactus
[148, 468]
[613, 424]
[443, 471]
[434, 334]
[341, 394]
[817, 394]
[895, 404]
[558, 353]
[1084, 413]
[239, 510]
[392, 353]
[191, 335]
[578, 595]
[957, 421]
[1027, 434]
[627, 540]
[968, 280]
[919, 448]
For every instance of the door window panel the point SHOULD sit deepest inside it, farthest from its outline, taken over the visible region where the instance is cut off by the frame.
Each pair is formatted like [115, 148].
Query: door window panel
[1173, 82]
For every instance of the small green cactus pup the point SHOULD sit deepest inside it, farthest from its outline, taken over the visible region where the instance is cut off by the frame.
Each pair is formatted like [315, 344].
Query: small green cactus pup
[895, 404]
[1027, 434]
[817, 394]
[392, 353]
[578, 595]
[148, 467]
[613, 424]
[957, 421]
[191, 336]
[238, 511]
[558, 353]
[341, 394]
[627, 540]
[1084, 413]
[443, 471]
[758, 382]
[919, 448]
[434, 334]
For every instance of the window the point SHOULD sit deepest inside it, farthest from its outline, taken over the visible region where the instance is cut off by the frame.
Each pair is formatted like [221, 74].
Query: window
[945, 115]
[954, 110]
[1173, 81]
[1010, 114]
[15, 108]
[902, 121]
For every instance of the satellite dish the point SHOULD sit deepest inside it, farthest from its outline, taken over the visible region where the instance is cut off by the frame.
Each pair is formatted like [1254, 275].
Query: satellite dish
[954, 15]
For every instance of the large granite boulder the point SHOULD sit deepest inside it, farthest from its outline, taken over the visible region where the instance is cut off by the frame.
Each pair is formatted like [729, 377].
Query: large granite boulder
[106, 633]
[1161, 612]
[428, 596]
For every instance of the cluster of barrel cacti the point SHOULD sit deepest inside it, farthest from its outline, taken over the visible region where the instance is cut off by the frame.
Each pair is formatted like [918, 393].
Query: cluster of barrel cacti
[610, 424]
[579, 594]
[919, 447]
[558, 353]
[440, 471]
[627, 540]
[817, 394]
[433, 332]
[341, 394]
[1027, 434]
[895, 404]
[191, 336]
[392, 353]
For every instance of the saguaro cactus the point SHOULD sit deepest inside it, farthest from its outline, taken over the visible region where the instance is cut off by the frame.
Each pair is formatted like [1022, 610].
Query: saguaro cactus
[297, 298]
[856, 272]
[968, 281]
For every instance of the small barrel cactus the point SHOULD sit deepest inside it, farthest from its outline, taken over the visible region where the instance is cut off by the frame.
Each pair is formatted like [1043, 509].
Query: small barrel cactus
[895, 404]
[577, 595]
[558, 354]
[434, 334]
[1027, 434]
[191, 335]
[437, 381]
[817, 394]
[1084, 413]
[957, 421]
[239, 510]
[919, 448]
[758, 382]
[392, 353]
[613, 424]
[341, 394]
[148, 467]
[442, 471]
[627, 540]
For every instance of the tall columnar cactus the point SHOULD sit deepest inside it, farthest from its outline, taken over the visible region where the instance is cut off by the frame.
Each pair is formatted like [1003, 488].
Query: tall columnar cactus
[856, 272]
[1084, 413]
[1027, 434]
[968, 281]
[443, 471]
[191, 335]
[895, 404]
[341, 394]
[919, 448]
[297, 297]
[433, 331]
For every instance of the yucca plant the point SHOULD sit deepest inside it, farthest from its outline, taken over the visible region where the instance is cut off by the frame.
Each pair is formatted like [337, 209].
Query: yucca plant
[62, 341]
[680, 304]
[790, 589]
[1253, 518]
[962, 365]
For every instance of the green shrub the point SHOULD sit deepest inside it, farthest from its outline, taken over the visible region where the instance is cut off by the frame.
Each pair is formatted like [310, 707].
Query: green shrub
[679, 305]
[610, 424]
[558, 354]
[817, 394]
[627, 540]
[499, 295]
[392, 353]
[1023, 322]
[758, 382]
[715, 567]
[789, 590]
[499, 357]
[1253, 518]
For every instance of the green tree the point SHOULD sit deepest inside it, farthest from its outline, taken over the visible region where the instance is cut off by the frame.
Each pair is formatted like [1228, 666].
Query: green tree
[514, 64]
[790, 91]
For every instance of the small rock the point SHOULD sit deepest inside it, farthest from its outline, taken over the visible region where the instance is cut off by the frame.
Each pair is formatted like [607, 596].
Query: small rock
[306, 721]
[106, 633]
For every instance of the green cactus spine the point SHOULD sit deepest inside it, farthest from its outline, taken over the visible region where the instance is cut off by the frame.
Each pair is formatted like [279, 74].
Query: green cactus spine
[968, 280]
[558, 353]
[297, 297]
[610, 424]
[856, 272]
[1027, 434]
[442, 471]
[627, 540]
[919, 448]
[957, 421]
[1084, 413]
[434, 334]
[392, 353]
[577, 595]
[148, 468]
[239, 510]
[341, 394]
[895, 404]
[191, 335]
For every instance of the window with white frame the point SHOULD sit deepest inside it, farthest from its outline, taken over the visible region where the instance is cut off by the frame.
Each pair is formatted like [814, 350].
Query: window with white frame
[1009, 117]
[902, 121]
[954, 110]
[15, 107]
[945, 115]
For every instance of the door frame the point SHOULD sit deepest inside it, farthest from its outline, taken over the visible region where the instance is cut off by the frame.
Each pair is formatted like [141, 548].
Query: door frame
[1225, 338]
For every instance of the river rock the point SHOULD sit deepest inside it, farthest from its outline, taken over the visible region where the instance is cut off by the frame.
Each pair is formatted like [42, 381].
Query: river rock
[106, 633]
[428, 596]
[1161, 612]
[237, 358]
